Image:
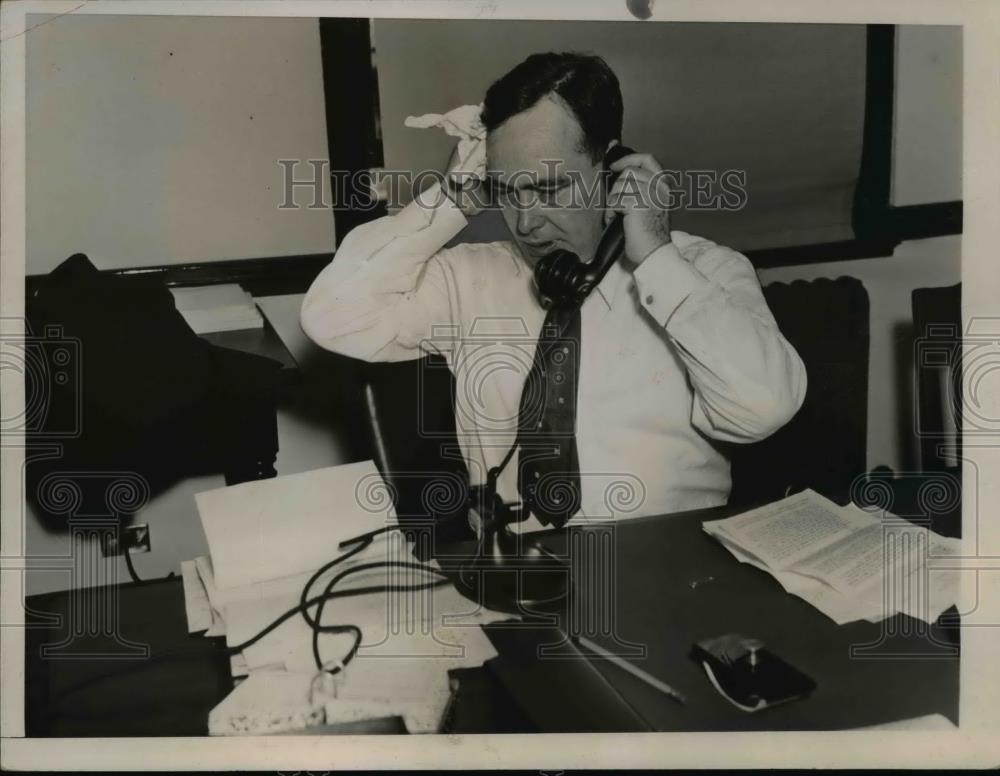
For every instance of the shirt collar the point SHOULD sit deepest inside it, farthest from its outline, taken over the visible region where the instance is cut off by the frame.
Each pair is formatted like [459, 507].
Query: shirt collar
[606, 290]
[611, 284]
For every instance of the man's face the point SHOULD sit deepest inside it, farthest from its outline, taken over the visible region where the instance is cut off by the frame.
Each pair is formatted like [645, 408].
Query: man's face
[537, 164]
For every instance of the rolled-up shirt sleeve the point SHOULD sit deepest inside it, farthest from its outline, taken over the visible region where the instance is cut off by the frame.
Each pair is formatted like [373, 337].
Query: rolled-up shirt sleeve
[748, 381]
[387, 286]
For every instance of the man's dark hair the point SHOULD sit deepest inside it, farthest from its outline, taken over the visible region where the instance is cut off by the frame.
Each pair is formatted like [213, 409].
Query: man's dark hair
[584, 82]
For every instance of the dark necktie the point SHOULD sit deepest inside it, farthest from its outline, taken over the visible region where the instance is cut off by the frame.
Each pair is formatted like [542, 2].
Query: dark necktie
[548, 467]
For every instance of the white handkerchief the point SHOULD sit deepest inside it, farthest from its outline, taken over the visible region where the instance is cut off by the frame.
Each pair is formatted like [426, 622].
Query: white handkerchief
[464, 123]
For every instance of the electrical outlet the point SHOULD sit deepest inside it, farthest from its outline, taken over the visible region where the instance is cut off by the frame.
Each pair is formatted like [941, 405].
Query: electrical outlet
[132, 539]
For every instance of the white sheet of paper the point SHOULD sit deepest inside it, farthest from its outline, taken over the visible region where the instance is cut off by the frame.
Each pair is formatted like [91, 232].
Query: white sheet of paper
[196, 604]
[785, 532]
[838, 607]
[850, 575]
[209, 297]
[282, 312]
[238, 665]
[415, 690]
[268, 529]
[224, 307]
[387, 546]
[203, 565]
[266, 702]
[432, 625]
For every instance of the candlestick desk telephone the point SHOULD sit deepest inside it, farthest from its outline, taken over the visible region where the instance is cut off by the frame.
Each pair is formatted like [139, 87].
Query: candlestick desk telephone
[505, 573]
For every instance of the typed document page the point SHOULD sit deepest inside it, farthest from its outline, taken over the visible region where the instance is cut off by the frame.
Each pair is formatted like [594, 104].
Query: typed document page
[784, 534]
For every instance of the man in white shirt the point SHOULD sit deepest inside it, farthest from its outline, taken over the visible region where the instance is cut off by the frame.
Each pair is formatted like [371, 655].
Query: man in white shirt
[677, 349]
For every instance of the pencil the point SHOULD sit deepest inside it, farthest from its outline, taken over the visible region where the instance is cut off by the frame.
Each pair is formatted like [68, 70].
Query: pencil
[638, 673]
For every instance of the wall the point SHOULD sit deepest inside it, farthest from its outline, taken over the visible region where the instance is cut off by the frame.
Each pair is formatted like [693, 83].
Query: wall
[155, 139]
[927, 150]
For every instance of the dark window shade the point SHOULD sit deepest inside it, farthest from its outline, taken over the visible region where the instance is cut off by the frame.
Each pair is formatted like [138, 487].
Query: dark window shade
[782, 102]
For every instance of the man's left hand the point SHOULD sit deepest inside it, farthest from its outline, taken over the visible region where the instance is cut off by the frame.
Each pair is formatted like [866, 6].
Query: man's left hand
[642, 195]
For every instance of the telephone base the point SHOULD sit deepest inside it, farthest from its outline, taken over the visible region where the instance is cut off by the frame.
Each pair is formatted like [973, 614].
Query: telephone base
[531, 581]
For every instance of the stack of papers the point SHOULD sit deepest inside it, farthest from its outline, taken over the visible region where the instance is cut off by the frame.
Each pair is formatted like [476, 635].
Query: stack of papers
[848, 563]
[225, 307]
[266, 540]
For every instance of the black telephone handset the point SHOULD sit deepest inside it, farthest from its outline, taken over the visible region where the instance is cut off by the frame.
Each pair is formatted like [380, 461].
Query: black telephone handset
[561, 279]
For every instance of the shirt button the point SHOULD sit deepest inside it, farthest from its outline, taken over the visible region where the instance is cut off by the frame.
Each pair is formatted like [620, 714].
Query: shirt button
[562, 400]
[649, 299]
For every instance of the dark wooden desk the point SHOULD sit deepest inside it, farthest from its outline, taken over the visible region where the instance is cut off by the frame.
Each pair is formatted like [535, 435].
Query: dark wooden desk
[866, 673]
[674, 585]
